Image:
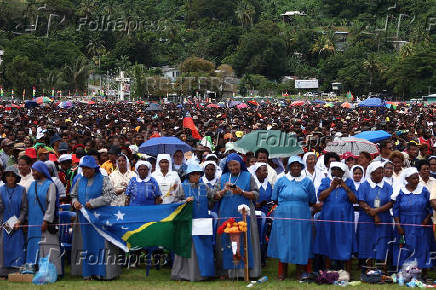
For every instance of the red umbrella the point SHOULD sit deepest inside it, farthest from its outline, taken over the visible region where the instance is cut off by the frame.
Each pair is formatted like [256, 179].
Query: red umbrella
[15, 106]
[91, 103]
[213, 106]
[253, 102]
[297, 103]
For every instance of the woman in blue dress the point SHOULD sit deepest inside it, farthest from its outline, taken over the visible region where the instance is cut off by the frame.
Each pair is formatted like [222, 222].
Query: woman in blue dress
[92, 257]
[43, 206]
[336, 240]
[13, 203]
[260, 173]
[375, 203]
[291, 240]
[412, 207]
[238, 187]
[143, 189]
[201, 265]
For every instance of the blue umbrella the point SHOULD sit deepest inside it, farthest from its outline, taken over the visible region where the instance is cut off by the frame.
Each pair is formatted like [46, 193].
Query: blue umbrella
[30, 104]
[154, 107]
[234, 103]
[319, 102]
[373, 136]
[163, 145]
[372, 102]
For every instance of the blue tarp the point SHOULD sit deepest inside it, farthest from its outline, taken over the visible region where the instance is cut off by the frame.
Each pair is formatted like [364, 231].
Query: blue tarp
[372, 102]
[373, 136]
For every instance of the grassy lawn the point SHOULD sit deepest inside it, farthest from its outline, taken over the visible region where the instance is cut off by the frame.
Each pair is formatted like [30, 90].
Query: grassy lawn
[136, 279]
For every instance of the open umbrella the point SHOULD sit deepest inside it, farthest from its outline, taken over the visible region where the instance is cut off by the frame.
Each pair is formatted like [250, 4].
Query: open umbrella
[297, 103]
[163, 145]
[154, 107]
[41, 100]
[242, 106]
[351, 144]
[374, 136]
[65, 105]
[30, 104]
[347, 105]
[372, 102]
[213, 106]
[91, 103]
[234, 103]
[279, 144]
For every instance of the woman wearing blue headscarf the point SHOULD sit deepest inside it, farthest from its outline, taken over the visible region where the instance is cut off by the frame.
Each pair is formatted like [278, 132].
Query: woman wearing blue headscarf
[13, 205]
[239, 187]
[291, 240]
[201, 264]
[43, 206]
[92, 190]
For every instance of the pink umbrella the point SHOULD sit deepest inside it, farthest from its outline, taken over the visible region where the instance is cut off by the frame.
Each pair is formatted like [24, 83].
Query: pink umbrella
[213, 106]
[241, 106]
[346, 105]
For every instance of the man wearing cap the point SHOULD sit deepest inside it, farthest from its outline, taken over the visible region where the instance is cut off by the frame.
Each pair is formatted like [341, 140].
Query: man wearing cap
[43, 154]
[66, 175]
[7, 146]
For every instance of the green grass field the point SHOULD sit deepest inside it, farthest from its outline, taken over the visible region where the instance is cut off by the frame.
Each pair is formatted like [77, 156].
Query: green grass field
[159, 279]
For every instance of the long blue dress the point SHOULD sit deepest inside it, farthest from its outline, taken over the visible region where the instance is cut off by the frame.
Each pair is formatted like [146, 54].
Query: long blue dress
[373, 239]
[92, 242]
[412, 209]
[35, 219]
[291, 240]
[336, 240]
[265, 195]
[142, 193]
[229, 208]
[203, 249]
[12, 244]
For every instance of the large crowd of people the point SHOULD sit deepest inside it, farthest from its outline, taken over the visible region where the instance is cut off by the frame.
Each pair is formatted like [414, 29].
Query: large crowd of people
[323, 209]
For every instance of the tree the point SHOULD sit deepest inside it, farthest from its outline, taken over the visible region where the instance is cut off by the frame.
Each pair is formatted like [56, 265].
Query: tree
[22, 73]
[245, 13]
[261, 51]
[77, 74]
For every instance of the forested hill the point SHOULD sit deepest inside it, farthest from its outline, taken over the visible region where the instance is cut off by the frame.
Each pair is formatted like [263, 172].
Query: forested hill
[367, 45]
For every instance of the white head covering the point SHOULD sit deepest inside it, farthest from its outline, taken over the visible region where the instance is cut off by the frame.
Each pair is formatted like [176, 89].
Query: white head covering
[146, 163]
[373, 166]
[407, 173]
[306, 155]
[253, 168]
[357, 184]
[217, 174]
[340, 165]
[164, 157]
[127, 160]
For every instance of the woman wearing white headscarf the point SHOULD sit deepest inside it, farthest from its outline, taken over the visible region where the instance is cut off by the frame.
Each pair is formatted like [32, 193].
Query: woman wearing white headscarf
[120, 178]
[336, 240]
[143, 189]
[168, 180]
[311, 170]
[357, 172]
[411, 210]
[374, 230]
[259, 171]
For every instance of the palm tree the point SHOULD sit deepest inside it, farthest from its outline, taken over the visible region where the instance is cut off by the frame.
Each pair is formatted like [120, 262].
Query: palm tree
[78, 72]
[324, 45]
[54, 79]
[245, 13]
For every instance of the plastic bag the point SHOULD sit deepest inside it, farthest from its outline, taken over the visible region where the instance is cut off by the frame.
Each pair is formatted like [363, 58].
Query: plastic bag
[46, 272]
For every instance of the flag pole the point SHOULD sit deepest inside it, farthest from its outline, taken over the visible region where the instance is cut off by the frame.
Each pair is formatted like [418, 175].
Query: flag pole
[246, 277]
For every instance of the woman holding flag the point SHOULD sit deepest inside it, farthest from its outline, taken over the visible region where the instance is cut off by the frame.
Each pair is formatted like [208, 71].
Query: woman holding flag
[239, 188]
[201, 264]
[92, 190]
